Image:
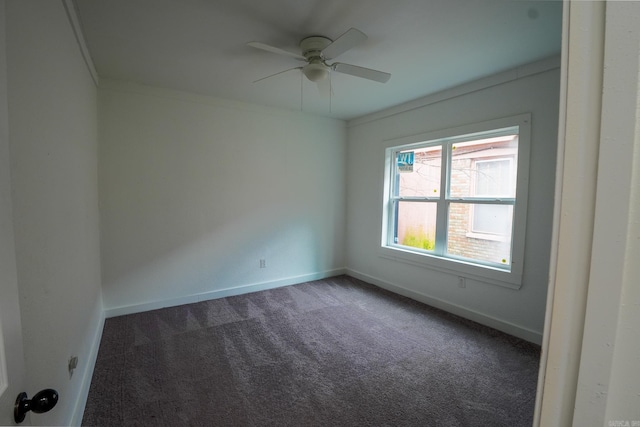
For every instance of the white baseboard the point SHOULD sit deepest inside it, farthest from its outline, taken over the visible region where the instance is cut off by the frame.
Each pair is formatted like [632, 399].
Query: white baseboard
[221, 293]
[483, 319]
[87, 372]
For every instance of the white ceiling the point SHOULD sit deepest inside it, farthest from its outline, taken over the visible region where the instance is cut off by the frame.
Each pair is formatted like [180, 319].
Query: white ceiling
[199, 46]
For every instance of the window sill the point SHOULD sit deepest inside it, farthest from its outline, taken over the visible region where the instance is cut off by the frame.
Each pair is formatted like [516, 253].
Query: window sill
[485, 236]
[485, 274]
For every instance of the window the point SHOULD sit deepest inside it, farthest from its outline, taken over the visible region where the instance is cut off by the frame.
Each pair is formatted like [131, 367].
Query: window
[456, 199]
[493, 178]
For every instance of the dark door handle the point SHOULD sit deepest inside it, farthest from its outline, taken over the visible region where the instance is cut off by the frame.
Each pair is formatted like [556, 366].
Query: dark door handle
[43, 401]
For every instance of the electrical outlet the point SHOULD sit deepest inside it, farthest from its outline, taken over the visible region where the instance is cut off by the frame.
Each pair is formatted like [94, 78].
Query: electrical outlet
[462, 283]
[263, 263]
[73, 364]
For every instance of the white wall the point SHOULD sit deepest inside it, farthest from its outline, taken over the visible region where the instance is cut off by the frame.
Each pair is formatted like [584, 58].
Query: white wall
[11, 353]
[194, 191]
[53, 146]
[526, 90]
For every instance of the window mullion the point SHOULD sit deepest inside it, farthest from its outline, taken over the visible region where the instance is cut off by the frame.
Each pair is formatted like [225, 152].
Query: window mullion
[393, 206]
[442, 206]
[483, 200]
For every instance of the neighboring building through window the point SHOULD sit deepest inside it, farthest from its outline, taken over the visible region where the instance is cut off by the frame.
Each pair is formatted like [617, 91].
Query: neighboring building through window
[461, 197]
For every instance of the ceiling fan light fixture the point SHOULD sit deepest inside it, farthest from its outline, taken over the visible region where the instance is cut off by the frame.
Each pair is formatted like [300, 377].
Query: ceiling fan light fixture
[316, 71]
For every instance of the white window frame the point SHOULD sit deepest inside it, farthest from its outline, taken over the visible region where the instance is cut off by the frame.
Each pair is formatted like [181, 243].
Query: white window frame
[439, 260]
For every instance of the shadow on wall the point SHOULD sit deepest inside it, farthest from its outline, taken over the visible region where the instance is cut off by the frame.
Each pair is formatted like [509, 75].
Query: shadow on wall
[229, 256]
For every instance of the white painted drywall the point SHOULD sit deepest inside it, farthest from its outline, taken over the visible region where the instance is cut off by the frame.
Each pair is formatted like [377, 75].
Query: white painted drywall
[53, 146]
[194, 191]
[12, 376]
[520, 312]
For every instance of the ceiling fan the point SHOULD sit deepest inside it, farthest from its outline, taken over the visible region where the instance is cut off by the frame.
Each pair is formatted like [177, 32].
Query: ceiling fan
[317, 50]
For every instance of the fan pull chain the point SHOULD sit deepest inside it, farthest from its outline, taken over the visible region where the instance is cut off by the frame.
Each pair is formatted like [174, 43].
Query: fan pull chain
[301, 90]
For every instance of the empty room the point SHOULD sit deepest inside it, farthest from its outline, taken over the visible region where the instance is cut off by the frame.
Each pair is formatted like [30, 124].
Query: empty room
[352, 213]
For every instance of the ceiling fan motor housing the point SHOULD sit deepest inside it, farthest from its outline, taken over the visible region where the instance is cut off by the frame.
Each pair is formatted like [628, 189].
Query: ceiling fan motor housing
[312, 47]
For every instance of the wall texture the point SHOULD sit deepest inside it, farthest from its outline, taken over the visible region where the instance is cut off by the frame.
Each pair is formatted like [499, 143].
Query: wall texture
[195, 191]
[12, 376]
[53, 147]
[520, 312]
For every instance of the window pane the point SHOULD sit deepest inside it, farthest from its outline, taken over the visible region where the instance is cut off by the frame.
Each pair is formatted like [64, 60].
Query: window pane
[493, 178]
[422, 178]
[494, 219]
[416, 224]
[491, 242]
[484, 168]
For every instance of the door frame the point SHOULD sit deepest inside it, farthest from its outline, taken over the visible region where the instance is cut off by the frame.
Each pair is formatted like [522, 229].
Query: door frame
[591, 260]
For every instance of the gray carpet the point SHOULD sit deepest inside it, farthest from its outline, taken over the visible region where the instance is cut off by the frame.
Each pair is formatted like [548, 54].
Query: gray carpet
[334, 352]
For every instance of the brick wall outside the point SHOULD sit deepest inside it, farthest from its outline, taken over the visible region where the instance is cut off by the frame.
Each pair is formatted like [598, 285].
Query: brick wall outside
[470, 247]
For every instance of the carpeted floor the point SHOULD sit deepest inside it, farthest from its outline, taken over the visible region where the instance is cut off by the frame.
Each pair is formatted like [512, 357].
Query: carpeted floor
[334, 352]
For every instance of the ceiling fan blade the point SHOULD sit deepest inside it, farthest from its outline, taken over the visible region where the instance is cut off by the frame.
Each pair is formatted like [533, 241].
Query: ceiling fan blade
[343, 43]
[365, 73]
[281, 72]
[276, 50]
